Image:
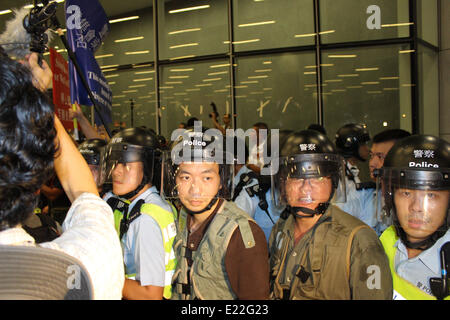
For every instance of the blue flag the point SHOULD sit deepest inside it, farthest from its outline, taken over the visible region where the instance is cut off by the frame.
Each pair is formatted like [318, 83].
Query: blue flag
[87, 26]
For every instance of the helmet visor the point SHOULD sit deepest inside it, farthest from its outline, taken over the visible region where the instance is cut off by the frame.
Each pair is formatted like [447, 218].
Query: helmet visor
[309, 179]
[125, 167]
[418, 198]
[195, 183]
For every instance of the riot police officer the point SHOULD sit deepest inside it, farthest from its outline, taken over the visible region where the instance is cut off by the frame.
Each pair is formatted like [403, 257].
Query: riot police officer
[252, 192]
[317, 251]
[221, 251]
[415, 183]
[352, 143]
[144, 221]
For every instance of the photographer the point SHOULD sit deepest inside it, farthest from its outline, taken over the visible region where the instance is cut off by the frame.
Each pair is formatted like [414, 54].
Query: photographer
[34, 143]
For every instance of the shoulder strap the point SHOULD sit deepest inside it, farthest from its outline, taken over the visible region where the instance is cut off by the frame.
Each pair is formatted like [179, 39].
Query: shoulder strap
[118, 203]
[349, 247]
[130, 217]
[46, 220]
[246, 233]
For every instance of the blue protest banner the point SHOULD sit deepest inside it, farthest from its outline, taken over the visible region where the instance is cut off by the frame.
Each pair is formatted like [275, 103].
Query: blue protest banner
[87, 26]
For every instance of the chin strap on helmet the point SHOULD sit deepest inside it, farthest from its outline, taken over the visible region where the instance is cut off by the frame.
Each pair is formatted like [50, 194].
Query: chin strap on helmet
[321, 208]
[208, 207]
[424, 244]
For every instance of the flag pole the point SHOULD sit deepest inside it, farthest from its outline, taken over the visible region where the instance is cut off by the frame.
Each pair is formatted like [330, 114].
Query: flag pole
[74, 60]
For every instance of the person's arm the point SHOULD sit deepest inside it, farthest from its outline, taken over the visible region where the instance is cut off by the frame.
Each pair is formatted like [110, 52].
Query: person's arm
[217, 124]
[70, 166]
[254, 168]
[145, 237]
[248, 266]
[132, 290]
[84, 123]
[370, 275]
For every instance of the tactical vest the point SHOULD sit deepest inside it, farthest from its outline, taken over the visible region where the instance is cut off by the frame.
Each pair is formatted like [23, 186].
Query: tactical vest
[320, 261]
[404, 288]
[166, 223]
[208, 278]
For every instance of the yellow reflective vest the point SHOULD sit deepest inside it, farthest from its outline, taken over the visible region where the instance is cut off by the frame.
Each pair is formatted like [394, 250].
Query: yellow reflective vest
[402, 287]
[166, 222]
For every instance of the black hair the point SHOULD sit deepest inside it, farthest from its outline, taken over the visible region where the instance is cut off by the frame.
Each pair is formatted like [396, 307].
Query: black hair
[114, 131]
[261, 125]
[390, 135]
[27, 147]
[317, 127]
[190, 122]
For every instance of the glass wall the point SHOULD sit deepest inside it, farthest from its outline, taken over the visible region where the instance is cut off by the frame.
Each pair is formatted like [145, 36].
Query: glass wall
[428, 84]
[130, 40]
[187, 91]
[133, 95]
[286, 63]
[362, 20]
[272, 24]
[279, 90]
[189, 29]
[369, 85]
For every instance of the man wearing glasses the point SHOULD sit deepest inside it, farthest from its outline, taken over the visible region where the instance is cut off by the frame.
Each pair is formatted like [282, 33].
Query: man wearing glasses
[318, 251]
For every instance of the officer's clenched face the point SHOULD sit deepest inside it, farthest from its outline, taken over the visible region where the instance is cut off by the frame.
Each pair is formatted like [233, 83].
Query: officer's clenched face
[308, 193]
[126, 177]
[197, 184]
[421, 212]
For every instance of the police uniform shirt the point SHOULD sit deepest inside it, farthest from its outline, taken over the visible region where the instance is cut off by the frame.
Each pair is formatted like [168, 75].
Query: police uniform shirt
[420, 269]
[256, 155]
[143, 246]
[359, 203]
[244, 201]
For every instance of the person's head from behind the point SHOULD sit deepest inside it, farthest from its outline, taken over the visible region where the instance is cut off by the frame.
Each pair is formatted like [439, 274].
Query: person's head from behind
[27, 146]
[258, 128]
[309, 174]
[381, 144]
[317, 127]
[416, 189]
[191, 122]
[352, 142]
[227, 118]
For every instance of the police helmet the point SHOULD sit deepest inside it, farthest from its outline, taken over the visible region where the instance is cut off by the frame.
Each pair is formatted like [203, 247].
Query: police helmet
[91, 150]
[416, 172]
[193, 146]
[349, 138]
[309, 155]
[131, 145]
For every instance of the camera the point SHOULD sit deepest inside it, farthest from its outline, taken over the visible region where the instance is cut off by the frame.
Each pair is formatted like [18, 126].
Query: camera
[36, 24]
